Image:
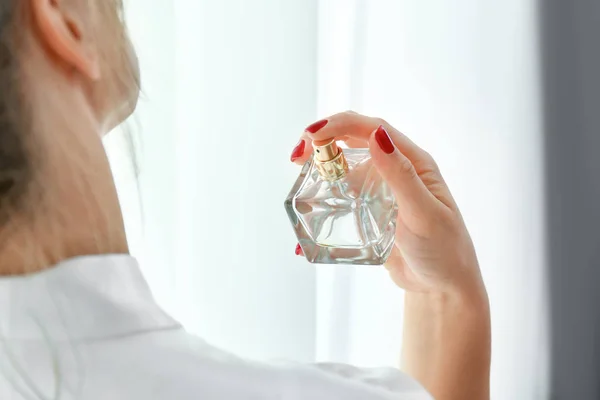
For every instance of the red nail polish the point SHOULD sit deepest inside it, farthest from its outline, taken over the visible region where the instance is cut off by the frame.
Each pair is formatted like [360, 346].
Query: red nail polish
[298, 150]
[298, 249]
[317, 126]
[384, 141]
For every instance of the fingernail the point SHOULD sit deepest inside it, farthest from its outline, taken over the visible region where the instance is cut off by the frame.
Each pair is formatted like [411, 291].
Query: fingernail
[384, 141]
[298, 249]
[298, 150]
[317, 126]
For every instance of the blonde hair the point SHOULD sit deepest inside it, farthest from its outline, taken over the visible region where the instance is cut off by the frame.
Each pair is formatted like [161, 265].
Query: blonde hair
[16, 169]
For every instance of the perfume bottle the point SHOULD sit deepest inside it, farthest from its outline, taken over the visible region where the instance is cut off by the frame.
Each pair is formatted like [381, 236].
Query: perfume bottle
[341, 209]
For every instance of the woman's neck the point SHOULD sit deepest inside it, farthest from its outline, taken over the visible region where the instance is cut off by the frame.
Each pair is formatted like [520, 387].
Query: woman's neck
[72, 208]
[77, 213]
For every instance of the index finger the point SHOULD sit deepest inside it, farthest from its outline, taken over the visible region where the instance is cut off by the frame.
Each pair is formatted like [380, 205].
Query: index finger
[360, 127]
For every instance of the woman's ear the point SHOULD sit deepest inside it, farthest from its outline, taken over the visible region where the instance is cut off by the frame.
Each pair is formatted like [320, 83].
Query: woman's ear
[64, 32]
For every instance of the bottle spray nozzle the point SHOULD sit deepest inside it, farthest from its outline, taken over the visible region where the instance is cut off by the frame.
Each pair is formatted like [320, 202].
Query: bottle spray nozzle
[330, 160]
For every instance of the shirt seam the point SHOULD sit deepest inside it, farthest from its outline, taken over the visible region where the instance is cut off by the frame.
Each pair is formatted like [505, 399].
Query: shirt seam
[106, 338]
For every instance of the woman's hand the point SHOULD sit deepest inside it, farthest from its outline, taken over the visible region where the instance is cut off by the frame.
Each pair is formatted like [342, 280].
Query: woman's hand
[433, 250]
[446, 340]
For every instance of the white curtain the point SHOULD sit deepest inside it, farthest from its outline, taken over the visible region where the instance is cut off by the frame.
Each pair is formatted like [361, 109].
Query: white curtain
[228, 87]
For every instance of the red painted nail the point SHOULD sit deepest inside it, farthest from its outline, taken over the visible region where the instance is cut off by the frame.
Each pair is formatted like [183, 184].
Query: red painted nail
[298, 249]
[298, 150]
[317, 126]
[384, 141]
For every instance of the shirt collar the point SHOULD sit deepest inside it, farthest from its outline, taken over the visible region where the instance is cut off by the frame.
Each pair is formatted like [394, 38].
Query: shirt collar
[84, 298]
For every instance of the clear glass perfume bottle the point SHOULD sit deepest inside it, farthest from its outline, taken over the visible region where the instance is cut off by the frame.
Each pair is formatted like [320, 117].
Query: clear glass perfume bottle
[341, 209]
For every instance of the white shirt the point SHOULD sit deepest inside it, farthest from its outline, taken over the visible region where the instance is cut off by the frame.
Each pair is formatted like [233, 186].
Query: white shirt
[89, 329]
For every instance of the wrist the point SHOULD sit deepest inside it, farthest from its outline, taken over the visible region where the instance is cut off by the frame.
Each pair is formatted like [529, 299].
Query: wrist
[465, 289]
[447, 342]
[466, 298]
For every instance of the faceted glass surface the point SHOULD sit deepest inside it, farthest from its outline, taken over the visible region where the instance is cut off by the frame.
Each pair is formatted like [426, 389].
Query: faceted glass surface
[349, 221]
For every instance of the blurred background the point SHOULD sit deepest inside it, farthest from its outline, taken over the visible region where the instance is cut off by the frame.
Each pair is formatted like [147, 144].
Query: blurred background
[505, 95]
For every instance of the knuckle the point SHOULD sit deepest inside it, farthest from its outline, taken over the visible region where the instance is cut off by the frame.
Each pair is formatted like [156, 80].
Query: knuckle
[429, 160]
[430, 179]
[406, 167]
[347, 114]
[345, 117]
[381, 121]
[428, 157]
[428, 164]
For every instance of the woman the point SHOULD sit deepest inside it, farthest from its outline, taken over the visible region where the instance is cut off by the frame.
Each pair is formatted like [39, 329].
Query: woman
[76, 317]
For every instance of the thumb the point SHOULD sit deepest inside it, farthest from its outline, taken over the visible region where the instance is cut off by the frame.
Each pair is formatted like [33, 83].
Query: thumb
[412, 196]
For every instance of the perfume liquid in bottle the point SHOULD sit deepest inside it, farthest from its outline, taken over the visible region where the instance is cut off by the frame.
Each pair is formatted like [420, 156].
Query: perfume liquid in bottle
[341, 209]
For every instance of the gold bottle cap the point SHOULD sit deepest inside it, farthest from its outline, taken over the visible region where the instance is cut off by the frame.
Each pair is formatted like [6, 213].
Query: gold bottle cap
[330, 160]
